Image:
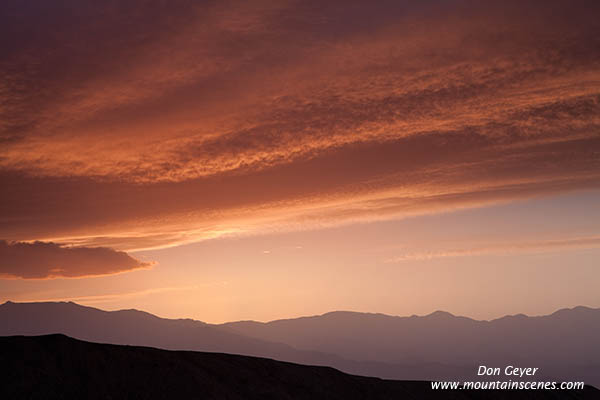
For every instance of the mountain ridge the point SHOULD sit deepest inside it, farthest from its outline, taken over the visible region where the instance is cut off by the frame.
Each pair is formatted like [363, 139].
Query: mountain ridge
[437, 346]
[433, 313]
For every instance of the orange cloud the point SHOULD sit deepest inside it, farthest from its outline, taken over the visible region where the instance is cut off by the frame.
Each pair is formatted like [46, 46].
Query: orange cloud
[39, 260]
[194, 120]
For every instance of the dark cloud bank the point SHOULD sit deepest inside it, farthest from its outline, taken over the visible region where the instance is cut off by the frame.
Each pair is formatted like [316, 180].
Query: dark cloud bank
[40, 260]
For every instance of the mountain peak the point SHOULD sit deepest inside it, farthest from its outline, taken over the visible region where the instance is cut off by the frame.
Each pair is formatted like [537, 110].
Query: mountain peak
[440, 314]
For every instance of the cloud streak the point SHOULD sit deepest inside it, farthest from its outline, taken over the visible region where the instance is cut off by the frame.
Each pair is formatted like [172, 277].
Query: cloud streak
[107, 298]
[39, 260]
[592, 242]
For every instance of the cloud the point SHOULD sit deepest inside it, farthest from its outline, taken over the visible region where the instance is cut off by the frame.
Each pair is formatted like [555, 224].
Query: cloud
[39, 260]
[107, 298]
[191, 120]
[177, 98]
[592, 242]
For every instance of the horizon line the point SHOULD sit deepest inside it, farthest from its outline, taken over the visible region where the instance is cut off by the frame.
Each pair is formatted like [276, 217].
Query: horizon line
[311, 316]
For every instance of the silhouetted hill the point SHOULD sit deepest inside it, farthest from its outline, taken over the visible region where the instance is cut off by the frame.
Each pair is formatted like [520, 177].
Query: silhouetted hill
[439, 346]
[59, 367]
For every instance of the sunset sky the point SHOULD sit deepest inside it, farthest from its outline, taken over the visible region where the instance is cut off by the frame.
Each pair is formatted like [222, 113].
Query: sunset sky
[227, 160]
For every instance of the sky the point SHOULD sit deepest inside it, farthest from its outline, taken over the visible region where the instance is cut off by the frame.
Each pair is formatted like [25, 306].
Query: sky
[270, 159]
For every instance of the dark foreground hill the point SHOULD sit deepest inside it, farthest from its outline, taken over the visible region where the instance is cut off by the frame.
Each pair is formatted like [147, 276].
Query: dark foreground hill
[59, 367]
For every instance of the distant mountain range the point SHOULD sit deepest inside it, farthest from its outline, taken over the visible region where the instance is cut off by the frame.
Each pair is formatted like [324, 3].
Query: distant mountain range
[59, 367]
[564, 345]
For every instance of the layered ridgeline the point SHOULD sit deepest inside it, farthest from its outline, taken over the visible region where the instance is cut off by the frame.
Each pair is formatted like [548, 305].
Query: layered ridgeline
[59, 367]
[564, 345]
